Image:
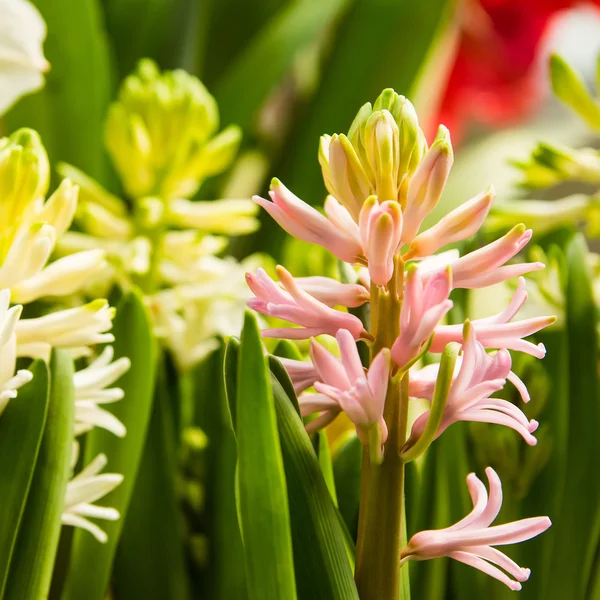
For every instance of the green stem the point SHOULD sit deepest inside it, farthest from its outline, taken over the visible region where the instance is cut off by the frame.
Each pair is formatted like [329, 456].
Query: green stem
[380, 526]
[380, 540]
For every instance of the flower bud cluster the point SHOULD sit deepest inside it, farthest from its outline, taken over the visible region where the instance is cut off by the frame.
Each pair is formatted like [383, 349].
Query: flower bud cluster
[162, 135]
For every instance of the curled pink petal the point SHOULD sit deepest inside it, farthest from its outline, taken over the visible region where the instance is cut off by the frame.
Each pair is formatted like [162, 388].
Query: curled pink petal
[307, 224]
[334, 293]
[296, 305]
[360, 394]
[422, 310]
[497, 332]
[460, 224]
[303, 374]
[470, 540]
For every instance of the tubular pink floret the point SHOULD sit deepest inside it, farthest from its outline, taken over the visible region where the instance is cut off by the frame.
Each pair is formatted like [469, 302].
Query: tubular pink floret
[497, 331]
[478, 376]
[381, 233]
[338, 235]
[303, 374]
[343, 385]
[460, 224]
[470, 539]
[423, 308]
[334, 293]
[295, 305]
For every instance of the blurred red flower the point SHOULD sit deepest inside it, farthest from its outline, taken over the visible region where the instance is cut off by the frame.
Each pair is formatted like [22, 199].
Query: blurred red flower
[494, 80]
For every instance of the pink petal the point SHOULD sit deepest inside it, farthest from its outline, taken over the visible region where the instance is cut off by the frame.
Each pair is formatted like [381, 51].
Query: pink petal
[474, 561]
[349, 355]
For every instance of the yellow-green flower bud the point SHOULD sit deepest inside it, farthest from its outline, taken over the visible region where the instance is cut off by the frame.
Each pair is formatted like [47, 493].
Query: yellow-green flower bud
[379, 155]
[24, 177]
[553, 164]
[159, 133]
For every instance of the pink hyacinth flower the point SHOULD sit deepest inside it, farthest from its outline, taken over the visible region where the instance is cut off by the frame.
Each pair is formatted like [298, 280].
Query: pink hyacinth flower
[471, 540]
[486, 266]
[381, 232]
[343, 385]
[422, 381]
[332, 292]
[460, 224]
[479, 376]
[427, 184]
[295, 305]
[303, 374]
[337, 232]
[422, 309]
[497, 331]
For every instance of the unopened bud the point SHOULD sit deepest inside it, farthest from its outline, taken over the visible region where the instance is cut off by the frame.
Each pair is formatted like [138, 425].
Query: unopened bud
[426, 186]
[159, 133]
[379, 155]
[24, 176]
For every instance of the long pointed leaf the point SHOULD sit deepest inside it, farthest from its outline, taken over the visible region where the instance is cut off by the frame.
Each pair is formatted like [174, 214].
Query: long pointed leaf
[21, 429]
[91, 562]
[35, 552]
[574, 524]
[322, 567]
[150, 562]
[263, 497]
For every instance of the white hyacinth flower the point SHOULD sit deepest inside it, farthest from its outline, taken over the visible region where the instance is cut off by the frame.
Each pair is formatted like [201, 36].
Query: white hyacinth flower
[21, 57]
[35, 236]
[83, 490]
[60, 278]
[9, 381]
[82, 326]
[91, 391]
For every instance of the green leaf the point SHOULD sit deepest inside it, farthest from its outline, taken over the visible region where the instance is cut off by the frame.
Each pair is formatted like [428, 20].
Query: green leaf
[574, 525]
[34, 555]
[287, 349]
[150, 561]
[21, 429]
[280, 373]
[143, 28]
[347, 462]
[263, 497]
[227, 575]
[324, 456]
[231, 375]
[546, 491]
[91, 562]
[320, 560]
[269, 56]
[69, 111]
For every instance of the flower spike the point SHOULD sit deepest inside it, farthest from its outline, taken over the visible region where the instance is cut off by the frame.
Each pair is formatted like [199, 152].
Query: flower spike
[471, 540]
